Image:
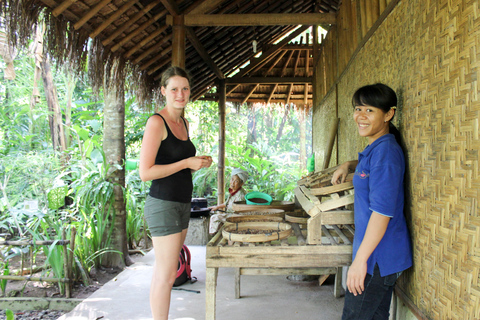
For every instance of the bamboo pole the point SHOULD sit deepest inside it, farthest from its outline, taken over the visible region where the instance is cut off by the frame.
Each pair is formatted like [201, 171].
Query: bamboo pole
[31, 243]
[65, 265]
[29, 278]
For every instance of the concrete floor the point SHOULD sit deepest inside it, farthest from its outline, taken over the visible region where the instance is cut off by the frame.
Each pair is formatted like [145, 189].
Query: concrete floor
[263, 297]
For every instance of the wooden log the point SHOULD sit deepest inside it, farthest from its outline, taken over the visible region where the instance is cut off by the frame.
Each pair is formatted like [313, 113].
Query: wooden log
[31, 242]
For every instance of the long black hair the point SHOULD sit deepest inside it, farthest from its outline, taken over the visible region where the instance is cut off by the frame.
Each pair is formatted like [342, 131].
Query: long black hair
[379, 96]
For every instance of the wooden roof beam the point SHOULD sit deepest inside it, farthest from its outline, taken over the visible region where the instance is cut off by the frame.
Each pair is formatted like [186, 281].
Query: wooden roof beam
[130, 21]
[289, 94]
[257, 19]
[171, 7]
[159, 66]
[192, 37]
[272, 93]
[139, 30]
[250, 93]
[112, 18]
[280, 56]
[154, 59]
[145, 41]
[62, 7]
[233, 89]
[266, 54]
[152, 49]
[205, 6]
[90, 14]
[296, 63]
[269, 80]
[286, 63]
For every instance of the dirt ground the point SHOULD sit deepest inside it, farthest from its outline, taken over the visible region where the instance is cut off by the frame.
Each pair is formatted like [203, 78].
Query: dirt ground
[50, 289]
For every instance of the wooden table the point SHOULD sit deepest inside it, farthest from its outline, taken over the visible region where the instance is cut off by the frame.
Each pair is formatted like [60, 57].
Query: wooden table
[287, 256]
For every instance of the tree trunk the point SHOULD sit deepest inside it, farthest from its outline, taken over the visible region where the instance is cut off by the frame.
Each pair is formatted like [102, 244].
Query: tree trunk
[55, 118]
[252, 124]
[282, 125]
[114, 149]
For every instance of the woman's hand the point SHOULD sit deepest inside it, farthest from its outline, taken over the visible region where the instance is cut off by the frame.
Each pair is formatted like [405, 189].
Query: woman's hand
[356, 277]
[340, 174]
[342, 171]
[197, 163]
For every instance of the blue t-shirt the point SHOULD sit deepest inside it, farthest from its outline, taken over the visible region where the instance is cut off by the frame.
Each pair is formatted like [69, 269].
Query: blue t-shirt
[378, 183]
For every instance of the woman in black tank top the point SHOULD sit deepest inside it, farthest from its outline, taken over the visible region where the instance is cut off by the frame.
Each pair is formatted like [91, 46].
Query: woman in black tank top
[167, 158]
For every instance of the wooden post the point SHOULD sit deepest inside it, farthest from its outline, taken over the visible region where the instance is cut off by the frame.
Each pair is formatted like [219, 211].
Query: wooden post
[178, 42]
[210, 293]
[221, 141]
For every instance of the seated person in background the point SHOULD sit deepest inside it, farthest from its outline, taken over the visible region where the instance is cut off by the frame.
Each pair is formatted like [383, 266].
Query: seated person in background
[236, 193]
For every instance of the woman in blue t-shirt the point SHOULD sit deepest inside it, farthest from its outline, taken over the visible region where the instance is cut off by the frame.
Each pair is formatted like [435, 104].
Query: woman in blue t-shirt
[167, 157]
[381, 246]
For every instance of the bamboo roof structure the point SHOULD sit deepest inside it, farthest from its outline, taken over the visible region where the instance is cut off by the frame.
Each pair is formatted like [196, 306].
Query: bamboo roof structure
[220, 40]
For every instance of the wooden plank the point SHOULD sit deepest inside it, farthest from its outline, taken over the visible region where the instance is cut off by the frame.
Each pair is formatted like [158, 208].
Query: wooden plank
[331, 189]
[258, 19]
[336, 203]
[337, 217]
[272, 251]
[282, 271]
[279, 261]
[314, 227]
[338, 290]
[306, 204]
[210, 293]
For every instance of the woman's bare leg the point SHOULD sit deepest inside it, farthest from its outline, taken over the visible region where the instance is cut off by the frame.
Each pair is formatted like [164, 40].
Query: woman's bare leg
[167, 249]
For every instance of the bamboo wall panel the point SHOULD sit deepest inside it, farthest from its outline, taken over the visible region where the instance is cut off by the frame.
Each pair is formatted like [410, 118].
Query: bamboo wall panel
[428, 52]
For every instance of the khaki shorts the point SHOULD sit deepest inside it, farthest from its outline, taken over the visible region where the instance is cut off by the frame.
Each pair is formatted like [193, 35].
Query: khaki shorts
[166, 217]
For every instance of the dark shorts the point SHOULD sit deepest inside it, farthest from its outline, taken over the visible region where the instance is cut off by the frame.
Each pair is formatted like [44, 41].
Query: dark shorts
[166, 217]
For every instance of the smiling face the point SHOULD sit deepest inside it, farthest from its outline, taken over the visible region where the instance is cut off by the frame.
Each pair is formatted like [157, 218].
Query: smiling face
[235, 183]
[372, 122]
[177, 92]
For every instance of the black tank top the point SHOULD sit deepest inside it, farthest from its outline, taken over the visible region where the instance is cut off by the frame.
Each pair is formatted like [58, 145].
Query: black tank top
[177, 187]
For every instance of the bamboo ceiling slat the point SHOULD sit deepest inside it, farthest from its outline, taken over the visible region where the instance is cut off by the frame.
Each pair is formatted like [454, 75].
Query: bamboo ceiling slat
[139, 29]
[146, 40]
[117, 13]
[153, 49]
[130, 22]
[156, 58]
[90, 14]
[62, 7]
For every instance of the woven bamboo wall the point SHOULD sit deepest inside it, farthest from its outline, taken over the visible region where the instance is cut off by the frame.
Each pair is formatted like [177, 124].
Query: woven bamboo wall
[428, 51]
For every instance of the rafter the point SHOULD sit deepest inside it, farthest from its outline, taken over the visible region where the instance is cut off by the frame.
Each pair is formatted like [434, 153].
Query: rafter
[139, 30]
[62, 7]
[269, 52]
[250, 93]
[145, 41]
[153, 49]
[203, 53]
[112, 18]
[90, 14]
[130, 22]
[269, 80]
[156, 58]
[257, 19]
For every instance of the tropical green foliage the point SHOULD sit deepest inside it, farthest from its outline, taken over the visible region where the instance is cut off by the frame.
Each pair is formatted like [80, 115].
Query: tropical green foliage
[72, 189]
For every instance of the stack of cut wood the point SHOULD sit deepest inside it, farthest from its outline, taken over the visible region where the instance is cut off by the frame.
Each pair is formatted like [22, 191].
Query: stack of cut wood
[330, 208]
